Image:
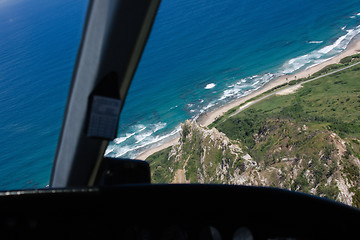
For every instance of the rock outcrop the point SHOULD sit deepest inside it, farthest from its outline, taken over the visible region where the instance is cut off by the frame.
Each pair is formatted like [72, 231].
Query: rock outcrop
[205, 155]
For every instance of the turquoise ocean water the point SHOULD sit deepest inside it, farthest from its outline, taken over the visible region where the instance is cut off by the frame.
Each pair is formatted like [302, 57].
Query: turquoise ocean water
[200, 55]
[204, 54]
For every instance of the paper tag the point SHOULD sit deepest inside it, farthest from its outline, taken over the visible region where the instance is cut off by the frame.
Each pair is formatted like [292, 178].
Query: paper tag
[104, 117]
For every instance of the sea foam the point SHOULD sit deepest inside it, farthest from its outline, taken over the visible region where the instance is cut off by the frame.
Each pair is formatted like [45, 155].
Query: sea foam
[315, 42]
[246, 85]
[318, 56]
[152, 129]
[132, 150]
[210, 86]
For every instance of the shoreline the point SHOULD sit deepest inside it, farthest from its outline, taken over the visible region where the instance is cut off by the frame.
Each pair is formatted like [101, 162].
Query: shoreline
[153, 150]
[210, 117]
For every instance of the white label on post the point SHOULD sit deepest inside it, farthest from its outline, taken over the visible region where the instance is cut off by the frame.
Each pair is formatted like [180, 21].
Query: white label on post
[104, 117]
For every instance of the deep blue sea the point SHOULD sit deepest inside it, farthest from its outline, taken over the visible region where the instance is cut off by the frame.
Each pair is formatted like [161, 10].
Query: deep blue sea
[200, 55]
[38, 46]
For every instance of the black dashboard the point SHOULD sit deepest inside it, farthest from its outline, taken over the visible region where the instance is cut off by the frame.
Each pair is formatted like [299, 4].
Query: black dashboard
[147, 211]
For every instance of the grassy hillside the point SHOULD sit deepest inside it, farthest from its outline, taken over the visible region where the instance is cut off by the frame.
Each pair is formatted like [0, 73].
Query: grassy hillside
[307, 141]
[331, 103]
[304, 126]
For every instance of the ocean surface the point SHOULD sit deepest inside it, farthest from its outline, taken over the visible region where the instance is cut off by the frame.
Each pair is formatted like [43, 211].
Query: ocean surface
[38, 45]
[200, 55]
[204, 54]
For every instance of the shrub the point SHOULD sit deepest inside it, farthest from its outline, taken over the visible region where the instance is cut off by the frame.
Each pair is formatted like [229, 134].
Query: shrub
[330, 192]
[346, 60]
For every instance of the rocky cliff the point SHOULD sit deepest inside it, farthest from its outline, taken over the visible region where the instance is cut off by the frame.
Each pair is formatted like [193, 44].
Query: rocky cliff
[205, 155]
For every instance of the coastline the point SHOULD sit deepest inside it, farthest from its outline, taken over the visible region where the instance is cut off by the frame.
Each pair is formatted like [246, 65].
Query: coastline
[153, 150]
[210, 117]
[353, 48]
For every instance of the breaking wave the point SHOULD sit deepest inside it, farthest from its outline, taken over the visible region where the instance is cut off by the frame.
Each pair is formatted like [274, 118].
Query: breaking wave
[318, 56]
[210, 86]
[315, 42]
[144, 141]
[145, 136]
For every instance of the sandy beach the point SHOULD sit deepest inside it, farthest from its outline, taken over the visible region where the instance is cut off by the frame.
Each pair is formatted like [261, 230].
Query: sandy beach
[208, 118]
[151, 151]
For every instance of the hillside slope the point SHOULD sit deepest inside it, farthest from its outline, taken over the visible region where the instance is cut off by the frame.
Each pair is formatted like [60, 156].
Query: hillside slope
[307, 141]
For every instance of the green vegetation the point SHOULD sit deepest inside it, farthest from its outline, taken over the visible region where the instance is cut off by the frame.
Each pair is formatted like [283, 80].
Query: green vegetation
[356, 197]
[332, 105]
[328, 69]
[345, 62]
[299, 126]
[307, 141]
[330, 192]
[158, 165]
[350, 59]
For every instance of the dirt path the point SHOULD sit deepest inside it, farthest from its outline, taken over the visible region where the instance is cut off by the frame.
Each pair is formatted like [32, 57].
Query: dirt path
[180, 176]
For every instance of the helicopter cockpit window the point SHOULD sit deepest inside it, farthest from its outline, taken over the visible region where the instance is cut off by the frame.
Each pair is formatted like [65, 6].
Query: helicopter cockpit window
[260, 93]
